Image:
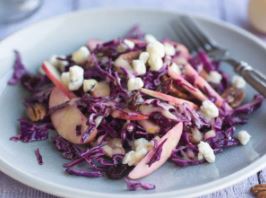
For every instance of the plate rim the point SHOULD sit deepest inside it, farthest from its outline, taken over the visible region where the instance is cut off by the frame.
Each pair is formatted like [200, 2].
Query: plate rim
[61, 190]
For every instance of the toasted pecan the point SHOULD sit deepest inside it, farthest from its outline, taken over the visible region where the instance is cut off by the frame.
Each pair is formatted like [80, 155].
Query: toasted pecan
[259, 190]
[36, 112]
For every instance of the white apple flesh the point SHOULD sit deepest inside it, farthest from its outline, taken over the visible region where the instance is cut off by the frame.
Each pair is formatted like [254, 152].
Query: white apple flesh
[172, 137]
[67, 119]
[171, 99]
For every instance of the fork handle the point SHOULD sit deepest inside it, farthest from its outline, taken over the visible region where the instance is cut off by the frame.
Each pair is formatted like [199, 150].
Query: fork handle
[253, 77]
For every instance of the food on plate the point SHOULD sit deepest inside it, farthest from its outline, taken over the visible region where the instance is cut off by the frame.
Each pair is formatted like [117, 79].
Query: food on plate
[123, 108]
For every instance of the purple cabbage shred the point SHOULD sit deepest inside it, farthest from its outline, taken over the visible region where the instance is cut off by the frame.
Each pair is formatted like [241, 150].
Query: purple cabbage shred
[83, 173]
[136, 185]
[157, 150]
[19, 70]
[30, 132]
[38, 156]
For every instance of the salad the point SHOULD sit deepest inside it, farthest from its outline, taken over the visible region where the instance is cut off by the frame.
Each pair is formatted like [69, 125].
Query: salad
[123, 108]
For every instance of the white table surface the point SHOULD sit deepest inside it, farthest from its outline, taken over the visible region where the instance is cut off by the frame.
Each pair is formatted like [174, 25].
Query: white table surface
[233, 11]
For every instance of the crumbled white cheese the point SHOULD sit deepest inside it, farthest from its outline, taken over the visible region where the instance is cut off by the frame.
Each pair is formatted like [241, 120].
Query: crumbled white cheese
[169, 49]
[129, 158]
[89, 84]
[174, 69]
[200, 156]
[129, 43]
[156, 49]
[243, 137]
[155, 62]
[133, 157]
[81, 55]
[209, 134]
[76, 77]
[139, 67]
[209, 109]
[196, 135]
[238, 82]
[206, 151]
[214, 77]
[59, 64]
[144, 56]
[142, 143]
[122, 47]
[120, 62]
[140, 154]
[141, 148]
[134, 84]
[65, 78]
[76, 73]
[150, 38]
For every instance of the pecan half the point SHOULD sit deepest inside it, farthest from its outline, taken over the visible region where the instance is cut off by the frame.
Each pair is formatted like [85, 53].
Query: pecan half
[233, 96]
[36, 112]
[259, 190]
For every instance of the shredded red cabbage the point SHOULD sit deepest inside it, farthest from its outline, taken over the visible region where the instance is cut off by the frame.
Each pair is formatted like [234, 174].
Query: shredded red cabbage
[157, 150]
[19, 70]
[68, 150]
[30, 131]
[38, 156]
[83, 173]
[136, 185]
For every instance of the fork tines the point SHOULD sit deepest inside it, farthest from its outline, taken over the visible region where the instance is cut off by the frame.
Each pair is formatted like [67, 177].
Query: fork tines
[191, 35]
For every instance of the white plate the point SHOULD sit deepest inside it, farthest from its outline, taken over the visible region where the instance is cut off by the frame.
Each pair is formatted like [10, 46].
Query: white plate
[64, 34]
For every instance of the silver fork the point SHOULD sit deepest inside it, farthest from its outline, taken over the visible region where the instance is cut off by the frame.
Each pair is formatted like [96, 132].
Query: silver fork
[195, 39]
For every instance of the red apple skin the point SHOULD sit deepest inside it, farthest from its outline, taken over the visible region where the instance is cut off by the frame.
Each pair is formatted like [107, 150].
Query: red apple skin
[189, 87]
[92, 43]
[55, 80]
[202, 83]
[65, 120]
[171, 99]
[124, 115]
[142, 169]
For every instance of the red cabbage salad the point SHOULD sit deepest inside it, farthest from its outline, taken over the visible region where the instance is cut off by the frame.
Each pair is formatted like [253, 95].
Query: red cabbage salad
[122, 108]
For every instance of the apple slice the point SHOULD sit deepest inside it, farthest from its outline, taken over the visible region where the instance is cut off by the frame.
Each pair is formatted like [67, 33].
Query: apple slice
[187, 86]
[171, 99]
[54, 76]
[67, 119]
[102, 89]
[126, 115]
[203, 85]
[92, 43]
[149, 126]
[171, 139]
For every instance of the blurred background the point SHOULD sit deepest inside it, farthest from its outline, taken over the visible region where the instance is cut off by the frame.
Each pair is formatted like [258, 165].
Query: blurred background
[16, 14]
